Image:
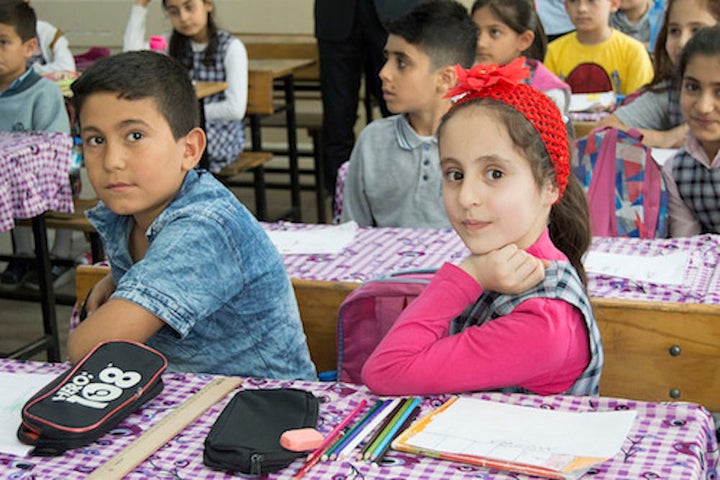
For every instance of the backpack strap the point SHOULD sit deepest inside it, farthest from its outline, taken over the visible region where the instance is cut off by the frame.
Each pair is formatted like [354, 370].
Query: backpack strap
[601, 193]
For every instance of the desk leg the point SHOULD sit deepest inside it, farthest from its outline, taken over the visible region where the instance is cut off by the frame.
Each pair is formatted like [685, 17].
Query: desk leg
[259, 172]
[290, 120]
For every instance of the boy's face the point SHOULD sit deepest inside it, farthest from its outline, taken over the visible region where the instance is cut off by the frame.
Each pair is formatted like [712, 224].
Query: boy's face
[700, 100]
[14, 54]
[134, 164]
[634, 4]
[497, 42]
[409, 82]
[590, 16]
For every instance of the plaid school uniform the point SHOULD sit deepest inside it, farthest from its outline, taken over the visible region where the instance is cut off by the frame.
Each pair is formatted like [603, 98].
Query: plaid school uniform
[698, 188]
[562, 283]
[225, 138]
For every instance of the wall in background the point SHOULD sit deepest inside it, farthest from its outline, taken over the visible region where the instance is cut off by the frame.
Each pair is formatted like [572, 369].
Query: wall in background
[102, 22]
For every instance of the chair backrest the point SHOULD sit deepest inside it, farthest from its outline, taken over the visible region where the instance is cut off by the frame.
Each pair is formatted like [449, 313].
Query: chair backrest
[626, 192]
[367, 314]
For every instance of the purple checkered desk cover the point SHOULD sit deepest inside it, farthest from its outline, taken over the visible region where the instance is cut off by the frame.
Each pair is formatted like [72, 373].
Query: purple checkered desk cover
[667, 441]
[34, 178]
[376, 252]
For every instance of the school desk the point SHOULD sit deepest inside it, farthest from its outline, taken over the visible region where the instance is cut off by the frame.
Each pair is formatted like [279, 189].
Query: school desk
[668, 440]
[660, 341]
[34, 178]
[262, 76]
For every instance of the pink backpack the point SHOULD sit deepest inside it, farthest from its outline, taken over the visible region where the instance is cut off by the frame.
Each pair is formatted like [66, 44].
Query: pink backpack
[367, 314]
[625, 189]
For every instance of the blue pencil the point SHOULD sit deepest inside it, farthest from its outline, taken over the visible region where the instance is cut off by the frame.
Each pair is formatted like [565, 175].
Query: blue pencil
[394, 429]
[350, 434]
[406, 424]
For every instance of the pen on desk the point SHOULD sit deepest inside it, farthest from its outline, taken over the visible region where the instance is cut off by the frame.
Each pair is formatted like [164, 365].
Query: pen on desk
[395, 427]
[379, 423]
[392, 419]
[372, 420]
[405, 425]
[332, 436]
[348, 437]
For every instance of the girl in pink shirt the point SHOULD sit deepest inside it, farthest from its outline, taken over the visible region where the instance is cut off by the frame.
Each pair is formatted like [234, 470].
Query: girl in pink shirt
[514, 315]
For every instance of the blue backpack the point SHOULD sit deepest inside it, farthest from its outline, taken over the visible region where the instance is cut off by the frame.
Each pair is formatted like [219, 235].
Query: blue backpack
[367, 314]
[625, 189]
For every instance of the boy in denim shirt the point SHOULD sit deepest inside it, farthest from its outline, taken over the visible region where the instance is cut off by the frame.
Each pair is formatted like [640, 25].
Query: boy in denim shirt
[193, 273]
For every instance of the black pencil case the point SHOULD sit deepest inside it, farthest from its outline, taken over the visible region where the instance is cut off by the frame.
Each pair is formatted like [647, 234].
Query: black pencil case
[246, 436]
[108, 384]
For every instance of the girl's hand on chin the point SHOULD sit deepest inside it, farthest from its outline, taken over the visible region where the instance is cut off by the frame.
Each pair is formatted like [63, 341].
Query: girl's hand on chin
[507, 270]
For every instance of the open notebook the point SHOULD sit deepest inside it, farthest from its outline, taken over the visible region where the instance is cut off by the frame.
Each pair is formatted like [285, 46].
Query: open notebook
[546, 443]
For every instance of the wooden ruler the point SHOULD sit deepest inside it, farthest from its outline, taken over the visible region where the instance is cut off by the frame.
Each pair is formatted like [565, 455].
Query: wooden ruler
[170, 425]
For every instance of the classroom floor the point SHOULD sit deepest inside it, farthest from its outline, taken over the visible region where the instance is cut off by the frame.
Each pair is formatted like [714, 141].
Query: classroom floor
[21, 322]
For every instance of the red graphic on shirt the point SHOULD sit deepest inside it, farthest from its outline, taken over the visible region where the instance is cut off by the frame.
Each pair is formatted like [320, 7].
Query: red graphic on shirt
[589, 78]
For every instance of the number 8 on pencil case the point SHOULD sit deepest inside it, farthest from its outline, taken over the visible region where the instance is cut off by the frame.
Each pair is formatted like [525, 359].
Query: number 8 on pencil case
[80, 405]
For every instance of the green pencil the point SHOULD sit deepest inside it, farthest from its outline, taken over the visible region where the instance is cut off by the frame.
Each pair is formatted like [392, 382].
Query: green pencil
[386, 428]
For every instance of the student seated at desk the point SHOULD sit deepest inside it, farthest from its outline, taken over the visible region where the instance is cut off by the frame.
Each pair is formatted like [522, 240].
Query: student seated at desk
[596, 57]
[655, 109]
[193, 273]
[693, 175]
[209, 54]
[28, 102]
[393, 178]
[514, 315]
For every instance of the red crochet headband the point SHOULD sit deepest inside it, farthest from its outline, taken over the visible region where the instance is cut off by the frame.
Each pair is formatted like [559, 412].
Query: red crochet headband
[502, 83]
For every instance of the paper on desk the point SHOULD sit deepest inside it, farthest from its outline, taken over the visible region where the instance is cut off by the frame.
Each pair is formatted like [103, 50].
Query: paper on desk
[592, 102]
[329, 239]
[17, 388]
[660, 269]
[662, 155]
[524, 435]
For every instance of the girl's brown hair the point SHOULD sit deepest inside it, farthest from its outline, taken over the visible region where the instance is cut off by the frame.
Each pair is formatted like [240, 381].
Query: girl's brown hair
[181, 50]
[520, 16]
[569, 221]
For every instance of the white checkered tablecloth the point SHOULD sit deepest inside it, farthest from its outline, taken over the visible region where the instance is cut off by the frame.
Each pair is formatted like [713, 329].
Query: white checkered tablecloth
[34, 178]
[668, 440]
[376, 252]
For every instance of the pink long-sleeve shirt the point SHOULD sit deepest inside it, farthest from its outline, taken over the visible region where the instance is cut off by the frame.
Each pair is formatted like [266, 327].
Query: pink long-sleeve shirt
[541, 346]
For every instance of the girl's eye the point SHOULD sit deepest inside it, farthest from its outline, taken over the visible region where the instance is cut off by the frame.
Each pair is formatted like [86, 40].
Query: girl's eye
[674, 32]
[494, 174]
[453, 176]
[495, 32]
[691, 87]
[402, 63]
[135, 136]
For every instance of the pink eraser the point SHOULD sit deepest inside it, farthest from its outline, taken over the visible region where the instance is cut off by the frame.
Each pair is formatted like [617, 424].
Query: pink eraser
[301, 439]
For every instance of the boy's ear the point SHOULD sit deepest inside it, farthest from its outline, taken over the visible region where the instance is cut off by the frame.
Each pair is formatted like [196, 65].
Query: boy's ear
[614, 5]
[29, 47]
[193, 145]
[446, 78]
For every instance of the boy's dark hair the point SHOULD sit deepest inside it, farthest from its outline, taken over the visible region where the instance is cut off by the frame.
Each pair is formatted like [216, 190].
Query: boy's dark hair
[706, 41]
[442, 29]
[21, 16]
[519, 16]
[180, 49]
[143, 74]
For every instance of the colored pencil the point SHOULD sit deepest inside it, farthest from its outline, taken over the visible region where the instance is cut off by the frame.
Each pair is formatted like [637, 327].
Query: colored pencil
[395, 426]
[386, 428]
[311, 462]
[405, 425]
[332, 436]
[378, 422]
[347, 437]
[367, 426]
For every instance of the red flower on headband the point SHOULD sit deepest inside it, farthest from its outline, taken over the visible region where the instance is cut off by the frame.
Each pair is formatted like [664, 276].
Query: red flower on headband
[483, 76]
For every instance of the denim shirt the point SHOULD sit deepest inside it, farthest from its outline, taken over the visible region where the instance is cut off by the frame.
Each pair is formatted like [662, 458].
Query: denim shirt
[214, 277]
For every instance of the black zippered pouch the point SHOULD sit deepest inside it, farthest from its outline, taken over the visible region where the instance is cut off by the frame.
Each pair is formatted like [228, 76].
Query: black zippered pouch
[246, 436]
[108, 384]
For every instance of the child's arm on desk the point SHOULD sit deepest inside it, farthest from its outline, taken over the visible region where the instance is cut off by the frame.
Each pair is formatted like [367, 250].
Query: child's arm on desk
[114, 319]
